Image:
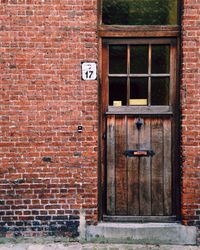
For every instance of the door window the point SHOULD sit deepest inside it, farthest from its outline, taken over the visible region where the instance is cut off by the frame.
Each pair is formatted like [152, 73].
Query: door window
[139, 75]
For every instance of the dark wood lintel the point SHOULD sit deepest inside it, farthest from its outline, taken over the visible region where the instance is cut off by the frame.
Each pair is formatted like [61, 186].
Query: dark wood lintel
[138, 31]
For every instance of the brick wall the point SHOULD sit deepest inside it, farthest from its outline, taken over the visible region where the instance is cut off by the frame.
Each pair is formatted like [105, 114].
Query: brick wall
[190, 104]
[48, 171]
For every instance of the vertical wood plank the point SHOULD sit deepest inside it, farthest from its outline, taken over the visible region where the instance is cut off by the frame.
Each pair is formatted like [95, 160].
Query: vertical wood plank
[111, 165]
[145, 169]
[167, 167]
[157, 167]
[132, 165]
[120, 163]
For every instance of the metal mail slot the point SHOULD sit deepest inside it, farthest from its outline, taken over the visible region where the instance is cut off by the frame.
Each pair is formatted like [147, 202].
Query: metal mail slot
[139, 153]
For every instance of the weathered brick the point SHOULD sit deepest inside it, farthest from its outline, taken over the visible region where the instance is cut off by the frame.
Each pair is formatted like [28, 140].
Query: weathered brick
[190, 107]
[43, 100]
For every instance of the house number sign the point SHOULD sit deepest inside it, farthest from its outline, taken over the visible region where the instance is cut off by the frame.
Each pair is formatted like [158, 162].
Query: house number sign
[89, 71]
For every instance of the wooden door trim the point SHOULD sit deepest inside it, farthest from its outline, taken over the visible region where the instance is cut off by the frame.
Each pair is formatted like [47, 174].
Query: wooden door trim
[146, 110]
[103, 99]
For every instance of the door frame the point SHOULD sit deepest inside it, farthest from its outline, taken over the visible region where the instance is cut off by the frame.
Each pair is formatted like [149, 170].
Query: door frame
[107, 36]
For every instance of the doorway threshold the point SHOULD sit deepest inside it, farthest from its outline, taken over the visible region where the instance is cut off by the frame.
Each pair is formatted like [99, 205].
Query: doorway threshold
[139, 219]
[142, 233]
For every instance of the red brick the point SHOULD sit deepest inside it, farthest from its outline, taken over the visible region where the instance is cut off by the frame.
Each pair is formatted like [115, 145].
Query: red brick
[190, 107]
[42, 105]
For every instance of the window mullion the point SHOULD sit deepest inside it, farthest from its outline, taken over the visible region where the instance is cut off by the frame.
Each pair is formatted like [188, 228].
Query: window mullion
[128, 73]
[149, 72]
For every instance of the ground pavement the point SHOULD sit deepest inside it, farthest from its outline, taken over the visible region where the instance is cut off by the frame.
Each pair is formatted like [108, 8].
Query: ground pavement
[90, 246]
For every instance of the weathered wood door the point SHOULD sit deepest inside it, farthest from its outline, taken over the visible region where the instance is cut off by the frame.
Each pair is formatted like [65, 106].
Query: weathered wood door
[139, 185]
[139, 113]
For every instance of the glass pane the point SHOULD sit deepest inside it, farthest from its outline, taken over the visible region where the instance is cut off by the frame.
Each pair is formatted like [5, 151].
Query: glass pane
[160, 91]
[118, 59]
[139, 59]
[160, 59]
[139, 12]
[117, 91]
[138, 91]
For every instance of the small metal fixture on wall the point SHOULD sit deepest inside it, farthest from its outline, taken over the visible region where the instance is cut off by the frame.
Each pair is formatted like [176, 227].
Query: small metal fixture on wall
[80, 129]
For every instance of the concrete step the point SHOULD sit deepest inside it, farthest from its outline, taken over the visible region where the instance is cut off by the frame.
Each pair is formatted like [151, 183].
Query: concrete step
[142, 233]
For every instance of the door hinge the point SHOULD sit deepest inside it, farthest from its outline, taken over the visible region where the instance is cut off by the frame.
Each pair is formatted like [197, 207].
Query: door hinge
[104, 136]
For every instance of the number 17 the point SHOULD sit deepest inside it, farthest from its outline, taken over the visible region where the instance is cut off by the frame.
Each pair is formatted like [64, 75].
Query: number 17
[89, 74]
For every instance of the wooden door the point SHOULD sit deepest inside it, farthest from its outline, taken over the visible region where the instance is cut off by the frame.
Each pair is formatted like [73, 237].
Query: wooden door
[139, 184]
[139, 103]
